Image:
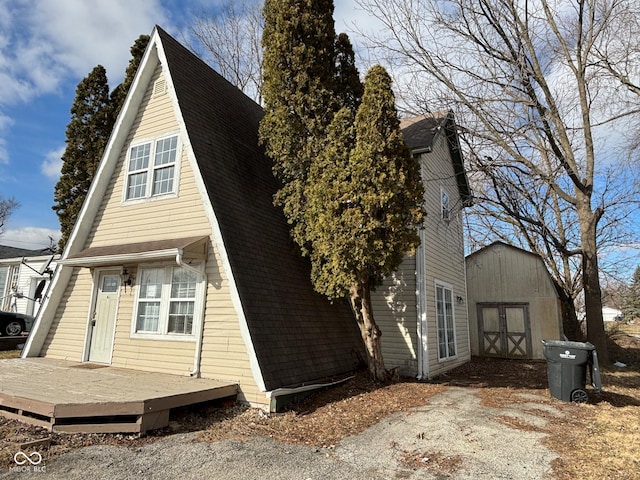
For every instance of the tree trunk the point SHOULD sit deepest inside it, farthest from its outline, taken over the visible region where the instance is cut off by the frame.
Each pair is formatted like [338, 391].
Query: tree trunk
[570, 324]
[591, 278]
[360, 298]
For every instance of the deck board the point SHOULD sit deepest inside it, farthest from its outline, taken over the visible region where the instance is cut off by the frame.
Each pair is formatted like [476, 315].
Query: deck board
[64, 395]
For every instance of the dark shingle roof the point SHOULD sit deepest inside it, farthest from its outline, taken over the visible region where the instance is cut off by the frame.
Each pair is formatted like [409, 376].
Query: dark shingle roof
[298, 335]
[419, 133]
[13, 252]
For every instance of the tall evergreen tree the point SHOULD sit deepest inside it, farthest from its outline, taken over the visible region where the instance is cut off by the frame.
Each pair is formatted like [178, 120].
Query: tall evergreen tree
[298, 92]
[631, 304]
[87, 135]
[364, 205]
[350, 189]
[348, 86]
[120, 92]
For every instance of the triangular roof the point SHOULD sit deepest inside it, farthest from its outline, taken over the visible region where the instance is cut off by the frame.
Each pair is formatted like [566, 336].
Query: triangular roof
[498, 243]
[420, 133]
[293, 334]
[502, 244]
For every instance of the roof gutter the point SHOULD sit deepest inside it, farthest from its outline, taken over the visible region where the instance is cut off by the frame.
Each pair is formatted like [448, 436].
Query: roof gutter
[273, 395]
[200, 334]
[135, 257]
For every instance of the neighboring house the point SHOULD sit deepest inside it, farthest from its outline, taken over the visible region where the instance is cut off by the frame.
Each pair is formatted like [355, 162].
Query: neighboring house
[24, 277]
[179, 262]
[422, 308]
[513, 302]
[611, 314]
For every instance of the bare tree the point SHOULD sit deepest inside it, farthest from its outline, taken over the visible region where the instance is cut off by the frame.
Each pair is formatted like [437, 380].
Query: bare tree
[7, 207]
[618, 54]
[229, 39]
[526, 79]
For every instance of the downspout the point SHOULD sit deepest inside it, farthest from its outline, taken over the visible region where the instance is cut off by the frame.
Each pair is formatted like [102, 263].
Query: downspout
[200, 334]
[419, 310]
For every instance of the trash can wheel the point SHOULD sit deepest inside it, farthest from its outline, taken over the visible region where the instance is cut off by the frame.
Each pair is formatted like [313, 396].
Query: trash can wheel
[579, 396]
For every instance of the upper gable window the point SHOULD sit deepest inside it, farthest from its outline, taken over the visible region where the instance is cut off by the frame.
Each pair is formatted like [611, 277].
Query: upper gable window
[151, 168]
[445, 206]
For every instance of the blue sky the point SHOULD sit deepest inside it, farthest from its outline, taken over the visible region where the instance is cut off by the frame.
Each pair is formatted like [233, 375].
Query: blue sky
[46, 48]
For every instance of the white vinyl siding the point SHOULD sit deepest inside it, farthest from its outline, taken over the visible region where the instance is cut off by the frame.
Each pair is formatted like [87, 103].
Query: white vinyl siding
[4, 297]
[444, 262]
[394, 306]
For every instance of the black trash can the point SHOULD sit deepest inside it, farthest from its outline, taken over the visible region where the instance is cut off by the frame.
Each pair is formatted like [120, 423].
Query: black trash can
[567, 364]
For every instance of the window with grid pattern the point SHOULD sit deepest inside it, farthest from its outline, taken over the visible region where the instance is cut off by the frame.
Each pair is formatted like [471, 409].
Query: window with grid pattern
[166, 301]
[147, 178]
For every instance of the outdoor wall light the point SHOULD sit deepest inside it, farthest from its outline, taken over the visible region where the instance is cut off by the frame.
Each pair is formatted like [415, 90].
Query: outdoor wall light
[127, 279]
[459, 300]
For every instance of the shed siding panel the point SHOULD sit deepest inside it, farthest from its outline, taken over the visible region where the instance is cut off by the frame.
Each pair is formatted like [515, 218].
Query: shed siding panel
[503, 274]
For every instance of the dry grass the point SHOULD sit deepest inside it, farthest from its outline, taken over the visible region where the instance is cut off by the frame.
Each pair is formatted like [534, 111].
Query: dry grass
[601, 440]
[9, 354]
[628, 328]
[327, 417]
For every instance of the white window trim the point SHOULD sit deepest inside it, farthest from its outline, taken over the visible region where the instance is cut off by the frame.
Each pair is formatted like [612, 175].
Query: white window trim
[443, 195]
[148, 197]
[448, 286]
[198, 309]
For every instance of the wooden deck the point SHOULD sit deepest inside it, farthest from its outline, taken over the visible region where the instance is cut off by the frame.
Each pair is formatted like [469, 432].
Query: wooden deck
[83, 397]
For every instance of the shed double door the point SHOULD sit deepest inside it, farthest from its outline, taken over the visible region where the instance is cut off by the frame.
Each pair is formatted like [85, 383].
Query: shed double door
[504, 330]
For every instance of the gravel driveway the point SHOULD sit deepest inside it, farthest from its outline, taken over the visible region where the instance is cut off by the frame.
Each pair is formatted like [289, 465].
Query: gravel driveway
[450, 437]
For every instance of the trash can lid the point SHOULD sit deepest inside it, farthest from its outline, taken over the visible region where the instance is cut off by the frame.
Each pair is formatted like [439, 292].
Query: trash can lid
[568, 344]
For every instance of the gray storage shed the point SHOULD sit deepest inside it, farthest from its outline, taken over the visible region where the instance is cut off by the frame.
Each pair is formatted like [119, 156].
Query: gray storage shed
[513, 303]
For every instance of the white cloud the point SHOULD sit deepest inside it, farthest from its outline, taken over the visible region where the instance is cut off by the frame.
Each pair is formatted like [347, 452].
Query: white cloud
[52, 164]
[45, 43]
[84, 34]
[31, 238]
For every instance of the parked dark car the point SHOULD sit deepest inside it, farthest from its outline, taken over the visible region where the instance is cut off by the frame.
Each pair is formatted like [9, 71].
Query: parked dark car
[12, 324]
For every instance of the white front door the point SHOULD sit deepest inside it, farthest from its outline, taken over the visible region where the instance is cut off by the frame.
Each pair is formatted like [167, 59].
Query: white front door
[104, 317]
